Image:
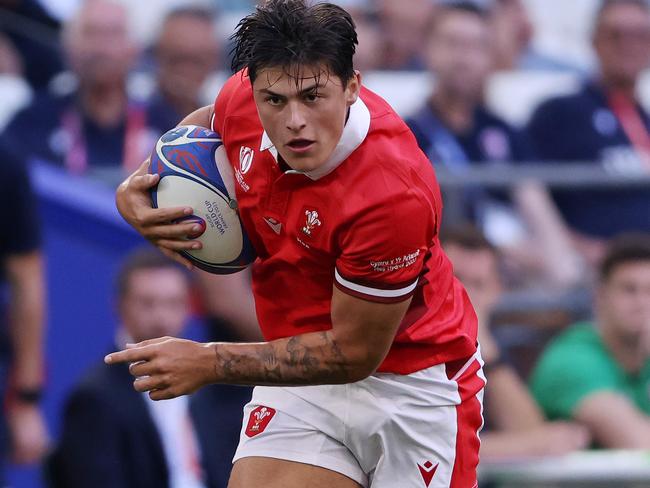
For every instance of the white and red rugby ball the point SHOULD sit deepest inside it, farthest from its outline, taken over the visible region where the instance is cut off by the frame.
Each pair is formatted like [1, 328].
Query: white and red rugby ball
[194, 171]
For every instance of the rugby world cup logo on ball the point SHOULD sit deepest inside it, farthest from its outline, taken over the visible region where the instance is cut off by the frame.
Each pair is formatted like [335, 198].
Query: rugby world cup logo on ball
[194, 171]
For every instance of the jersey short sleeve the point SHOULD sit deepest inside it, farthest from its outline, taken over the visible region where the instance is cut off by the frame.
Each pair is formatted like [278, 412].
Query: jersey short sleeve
[222, 102]
[19, 204]
[384, 249]
[572, 368]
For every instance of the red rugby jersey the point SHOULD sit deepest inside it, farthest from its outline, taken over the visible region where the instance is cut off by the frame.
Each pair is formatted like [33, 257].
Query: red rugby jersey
[367, 222]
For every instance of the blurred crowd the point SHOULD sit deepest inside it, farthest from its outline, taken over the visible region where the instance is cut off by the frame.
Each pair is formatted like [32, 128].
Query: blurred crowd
[557, 267]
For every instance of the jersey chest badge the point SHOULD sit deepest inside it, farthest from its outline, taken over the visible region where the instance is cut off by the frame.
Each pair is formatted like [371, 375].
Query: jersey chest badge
[312, 222]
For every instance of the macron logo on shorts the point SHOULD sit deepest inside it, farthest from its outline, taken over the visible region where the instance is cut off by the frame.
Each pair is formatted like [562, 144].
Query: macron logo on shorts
[427, 470]
[258, 420]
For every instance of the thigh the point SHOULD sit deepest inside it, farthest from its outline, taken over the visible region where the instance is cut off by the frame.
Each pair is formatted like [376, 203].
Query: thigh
[279, 425]
[420, 430]
[254, 472]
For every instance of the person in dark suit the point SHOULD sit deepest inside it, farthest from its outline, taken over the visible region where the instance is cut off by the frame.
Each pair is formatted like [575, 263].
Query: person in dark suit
[115, 437]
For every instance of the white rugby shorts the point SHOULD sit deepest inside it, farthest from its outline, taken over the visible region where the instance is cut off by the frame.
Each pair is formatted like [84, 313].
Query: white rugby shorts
[386, 431]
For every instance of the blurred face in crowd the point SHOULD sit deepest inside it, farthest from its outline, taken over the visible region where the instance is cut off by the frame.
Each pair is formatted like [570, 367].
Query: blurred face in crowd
[512, 32]
[187, 52]
[97, 43]
[623, 303]
[478, 271]
[369, 52]
[459, 53]
[155, 303]
[404, 24]
[622, 42]
[304, 117]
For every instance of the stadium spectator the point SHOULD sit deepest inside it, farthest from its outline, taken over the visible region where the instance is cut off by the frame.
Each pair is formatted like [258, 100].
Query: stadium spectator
[22, 318]
[35, 35]
[187, 51]
[370, 51]
[513, 34]
[116, 437]
[404, 25]
[454, 128]
[95, 126]
[598, 373]
[514, 424]
[603, 124]
[182, 71]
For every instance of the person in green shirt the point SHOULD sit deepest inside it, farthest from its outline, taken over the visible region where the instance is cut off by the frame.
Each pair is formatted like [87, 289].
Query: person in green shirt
[599, 374]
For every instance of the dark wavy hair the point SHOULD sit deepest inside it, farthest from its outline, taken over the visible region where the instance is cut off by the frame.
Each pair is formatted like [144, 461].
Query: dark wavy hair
[291, 34]
[624, 249]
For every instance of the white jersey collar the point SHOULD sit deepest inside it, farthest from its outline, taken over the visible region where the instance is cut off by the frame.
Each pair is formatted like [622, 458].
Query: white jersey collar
[354, 133]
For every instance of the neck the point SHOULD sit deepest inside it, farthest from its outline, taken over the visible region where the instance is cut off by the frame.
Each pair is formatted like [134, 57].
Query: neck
[617, 85]
[629, 354]
[104, 104]
[456, 112]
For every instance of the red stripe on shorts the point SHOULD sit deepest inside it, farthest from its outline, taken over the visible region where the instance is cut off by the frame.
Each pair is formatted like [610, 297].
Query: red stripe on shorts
[469, 421]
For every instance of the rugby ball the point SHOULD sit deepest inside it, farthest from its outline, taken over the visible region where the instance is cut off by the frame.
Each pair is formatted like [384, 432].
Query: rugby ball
[194, 171]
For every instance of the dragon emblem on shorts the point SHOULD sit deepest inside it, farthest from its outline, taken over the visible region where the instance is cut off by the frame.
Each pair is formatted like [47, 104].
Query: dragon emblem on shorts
[312, 221]
[259, 417]
[258, 420]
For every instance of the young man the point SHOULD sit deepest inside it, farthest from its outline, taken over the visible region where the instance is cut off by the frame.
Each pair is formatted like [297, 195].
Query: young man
[515, 426]
[603, 123]
[113, 436]
[598, 373]
[363, 317]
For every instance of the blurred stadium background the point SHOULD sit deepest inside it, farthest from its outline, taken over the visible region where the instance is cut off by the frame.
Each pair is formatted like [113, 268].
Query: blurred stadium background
[538, 49]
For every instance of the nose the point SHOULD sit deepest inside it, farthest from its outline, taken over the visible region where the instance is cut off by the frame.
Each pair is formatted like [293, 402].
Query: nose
[295, 118]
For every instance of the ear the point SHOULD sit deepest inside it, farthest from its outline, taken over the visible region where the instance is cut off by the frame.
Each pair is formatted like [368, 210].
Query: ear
[353, 88]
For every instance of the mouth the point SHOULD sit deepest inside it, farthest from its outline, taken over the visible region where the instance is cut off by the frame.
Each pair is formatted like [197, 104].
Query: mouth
[300, 145]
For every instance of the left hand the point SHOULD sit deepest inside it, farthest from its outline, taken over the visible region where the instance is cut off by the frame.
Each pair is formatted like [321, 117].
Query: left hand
[168, 367]
[30, 439]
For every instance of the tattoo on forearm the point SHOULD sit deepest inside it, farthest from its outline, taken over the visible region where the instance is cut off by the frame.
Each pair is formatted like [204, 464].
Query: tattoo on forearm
[313, 358]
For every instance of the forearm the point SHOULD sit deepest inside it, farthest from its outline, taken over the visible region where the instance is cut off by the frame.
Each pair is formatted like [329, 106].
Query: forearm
[307, 359]
[26, 322]
[512, 405]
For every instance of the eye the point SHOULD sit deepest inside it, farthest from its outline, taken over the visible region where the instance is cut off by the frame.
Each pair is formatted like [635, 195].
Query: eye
[311, 97]
[273, 100]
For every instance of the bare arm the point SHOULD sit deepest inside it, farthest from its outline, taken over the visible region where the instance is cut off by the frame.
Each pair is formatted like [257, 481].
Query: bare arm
[547, 439]
[614, 421]
[344, 354]
[25, 276]
[28, 431]
[510, 404]
[235, 302]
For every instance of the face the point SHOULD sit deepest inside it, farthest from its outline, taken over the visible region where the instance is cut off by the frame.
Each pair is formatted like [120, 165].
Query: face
[304, 119]
[98, 45]
[512, 30]
[622, 42]
[623, 302]
[478, 272]
[459, 54]
[156, 304]
[404, 23]
[187, 52]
